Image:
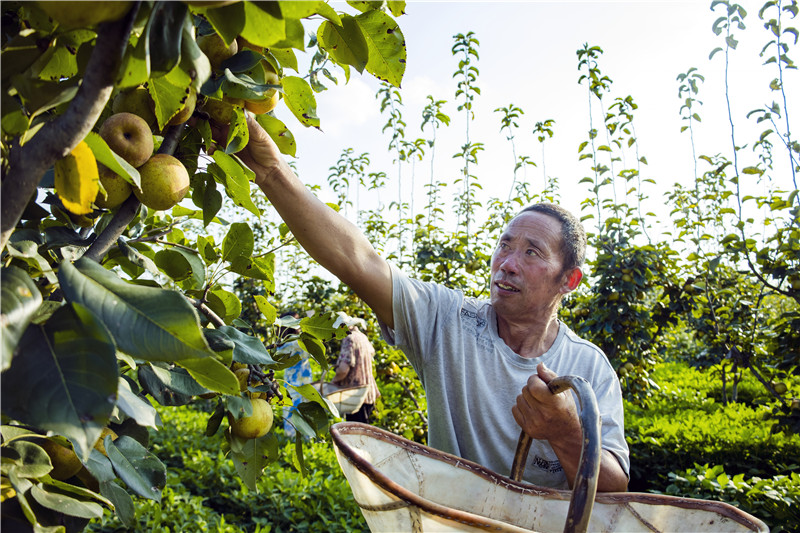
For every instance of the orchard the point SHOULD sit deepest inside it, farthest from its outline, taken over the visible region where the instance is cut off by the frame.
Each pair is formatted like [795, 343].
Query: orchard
[109, 307]
[145, 278]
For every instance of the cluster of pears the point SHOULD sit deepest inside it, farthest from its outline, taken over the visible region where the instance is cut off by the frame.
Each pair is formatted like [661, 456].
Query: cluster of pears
[164, 179]
[264, 73]
[259, 422]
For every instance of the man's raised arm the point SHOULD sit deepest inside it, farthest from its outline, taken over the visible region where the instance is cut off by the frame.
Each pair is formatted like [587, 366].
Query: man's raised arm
[332, 240]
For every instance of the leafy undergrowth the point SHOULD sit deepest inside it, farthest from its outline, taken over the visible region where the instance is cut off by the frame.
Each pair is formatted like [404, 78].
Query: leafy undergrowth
[685, 429]
[672, 443]
[204, 492]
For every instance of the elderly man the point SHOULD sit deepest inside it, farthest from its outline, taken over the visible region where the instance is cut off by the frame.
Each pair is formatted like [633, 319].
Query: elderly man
[474, 357]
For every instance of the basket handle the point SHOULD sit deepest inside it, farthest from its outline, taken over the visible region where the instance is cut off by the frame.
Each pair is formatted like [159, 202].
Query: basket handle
[585, 486]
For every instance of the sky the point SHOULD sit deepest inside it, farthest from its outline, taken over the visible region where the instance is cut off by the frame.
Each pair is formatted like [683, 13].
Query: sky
[528, 59]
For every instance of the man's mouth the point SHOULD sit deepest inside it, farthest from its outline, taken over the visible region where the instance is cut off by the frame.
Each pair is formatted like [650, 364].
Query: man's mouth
[505, 286]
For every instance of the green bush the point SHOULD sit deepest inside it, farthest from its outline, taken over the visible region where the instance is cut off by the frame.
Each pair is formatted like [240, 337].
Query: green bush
[205, 493]
[684, 425]
[775, 500]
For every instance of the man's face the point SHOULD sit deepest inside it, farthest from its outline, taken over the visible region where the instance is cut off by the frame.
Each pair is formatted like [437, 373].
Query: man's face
[527, 268]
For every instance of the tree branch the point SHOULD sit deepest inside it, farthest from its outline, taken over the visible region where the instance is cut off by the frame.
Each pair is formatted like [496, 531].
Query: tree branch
[58, 138]
[114, 230]
[211, 315]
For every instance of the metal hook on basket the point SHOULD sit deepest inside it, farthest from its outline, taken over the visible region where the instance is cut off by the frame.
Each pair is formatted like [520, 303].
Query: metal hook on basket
[585, 486]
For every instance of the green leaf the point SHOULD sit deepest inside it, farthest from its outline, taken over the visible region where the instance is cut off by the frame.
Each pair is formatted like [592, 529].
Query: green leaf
[135, 406]
[106, 156]
[247, 349]
[251, 459]
[235, 177]
[55, 64]
[178, 379]
[242, 86]
[261, 268]
[752, 171]
[264, 24]
[100, 467]
[27, 459]
[81, 492]
[326, 11]
[182, 265]
[286, 57]
[345, 43]
[165, 34]
[152, 385]
[42, 96]
[122, 501]
[230, 21]
[295, 35]
[47, 496]
[212, 374]
[212, 202]
[28, 251]
[141, 471]
[205, 246]
[225, 304]
[311, 393]
[397, 7]
[192, 58]
[300, 100]
[315, 347]
[238, 132]
[266, 308]
[19, 301]
[135, 69]
[147, 322]
[65, 377]
[387, 46]
[366, 5]
[279, 133]
[169, 94]
[321, 327]
[138, 260]
[238, 242]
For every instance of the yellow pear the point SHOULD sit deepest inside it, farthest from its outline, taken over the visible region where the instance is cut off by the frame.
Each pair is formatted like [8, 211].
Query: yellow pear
[219, 111]
[215, 49]
[136, 101]
[100, 446]
[164, 182]
[186, 111]
[254, 426]
[129, 136]
[243, 375]
[117, 189]
[259, 107]
[65, 463]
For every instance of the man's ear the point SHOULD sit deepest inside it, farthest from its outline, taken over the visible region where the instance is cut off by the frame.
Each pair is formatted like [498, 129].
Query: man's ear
[573, 279]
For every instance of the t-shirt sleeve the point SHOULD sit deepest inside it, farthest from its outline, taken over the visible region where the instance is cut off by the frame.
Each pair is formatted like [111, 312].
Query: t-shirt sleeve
[418, 309]
[609, 399]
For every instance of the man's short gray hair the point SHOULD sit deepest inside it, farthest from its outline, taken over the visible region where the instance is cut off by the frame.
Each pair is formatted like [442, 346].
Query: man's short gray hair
[573, 236]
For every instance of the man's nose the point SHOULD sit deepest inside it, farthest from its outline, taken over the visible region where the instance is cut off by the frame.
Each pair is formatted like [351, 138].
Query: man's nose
[509, 263]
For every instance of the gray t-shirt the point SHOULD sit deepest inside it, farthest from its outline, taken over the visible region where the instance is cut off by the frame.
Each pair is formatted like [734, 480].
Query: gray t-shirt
[472, 378]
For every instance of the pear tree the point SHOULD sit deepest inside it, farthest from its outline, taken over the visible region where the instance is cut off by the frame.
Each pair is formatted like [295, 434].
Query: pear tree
[111, 304]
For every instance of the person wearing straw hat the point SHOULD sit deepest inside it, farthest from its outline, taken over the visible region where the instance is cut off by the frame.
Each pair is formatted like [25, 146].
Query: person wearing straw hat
[484, 364]
[354, 366]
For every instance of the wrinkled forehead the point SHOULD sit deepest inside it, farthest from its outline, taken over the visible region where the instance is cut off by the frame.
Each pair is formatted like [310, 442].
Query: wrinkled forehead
[533, 224]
